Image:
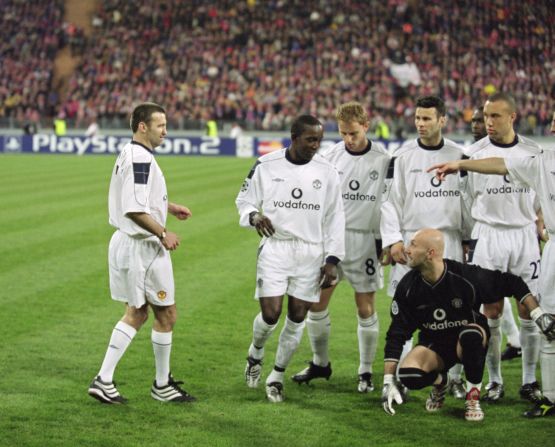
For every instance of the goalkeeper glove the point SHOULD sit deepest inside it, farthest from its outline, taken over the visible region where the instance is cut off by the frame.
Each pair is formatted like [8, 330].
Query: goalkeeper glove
[545, 322]
[390, 394]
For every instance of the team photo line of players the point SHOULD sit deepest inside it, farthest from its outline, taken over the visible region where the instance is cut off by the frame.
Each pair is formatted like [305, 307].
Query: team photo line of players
[455, 257]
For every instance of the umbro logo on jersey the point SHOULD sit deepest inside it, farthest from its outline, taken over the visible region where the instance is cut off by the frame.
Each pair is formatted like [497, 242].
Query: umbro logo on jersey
[277, 179]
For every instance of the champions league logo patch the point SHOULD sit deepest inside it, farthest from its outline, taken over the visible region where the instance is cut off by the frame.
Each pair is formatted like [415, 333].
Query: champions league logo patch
[374, 175]
[456, 303]
[394, 308]
[260, 282]
[162, 295]
[245, 186]
[317, 184]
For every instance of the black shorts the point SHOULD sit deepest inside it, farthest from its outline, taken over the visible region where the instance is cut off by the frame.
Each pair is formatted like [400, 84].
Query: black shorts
[446, 346]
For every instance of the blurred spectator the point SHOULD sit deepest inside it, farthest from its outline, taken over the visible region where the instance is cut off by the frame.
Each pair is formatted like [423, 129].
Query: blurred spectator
[236, 130]
[60, 125]
[92, 129]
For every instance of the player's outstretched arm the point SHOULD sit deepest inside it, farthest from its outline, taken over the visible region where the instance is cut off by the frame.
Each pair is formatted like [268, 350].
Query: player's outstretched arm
[179, 211]
[494, 165]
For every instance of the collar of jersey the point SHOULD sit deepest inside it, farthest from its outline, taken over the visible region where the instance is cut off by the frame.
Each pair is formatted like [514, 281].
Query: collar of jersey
[513, 143]
[289, 159]
[430, 148]
[440, 278]
[365, 151]
[142, 145]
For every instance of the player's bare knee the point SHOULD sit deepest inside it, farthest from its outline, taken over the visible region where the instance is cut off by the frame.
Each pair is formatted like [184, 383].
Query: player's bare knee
[135, 317]
[365, 304]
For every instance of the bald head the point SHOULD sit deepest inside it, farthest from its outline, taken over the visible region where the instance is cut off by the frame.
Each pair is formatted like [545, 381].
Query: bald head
[426, 246]
[432, 239]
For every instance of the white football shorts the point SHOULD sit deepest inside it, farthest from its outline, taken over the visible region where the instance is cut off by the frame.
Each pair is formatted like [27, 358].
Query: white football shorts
[289, 267]
[140, 271]
[453, 250]
[361, 266]
[513, 250]
[546, 284]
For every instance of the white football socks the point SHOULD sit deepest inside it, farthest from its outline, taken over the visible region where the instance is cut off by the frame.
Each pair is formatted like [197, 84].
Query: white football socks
[261, 331]
[289, 340]
[547, 357]
[530, 342]
[368, 333]
[162, 347]
[493, 357]
[121, 338]
[508, 325]
[318, 325]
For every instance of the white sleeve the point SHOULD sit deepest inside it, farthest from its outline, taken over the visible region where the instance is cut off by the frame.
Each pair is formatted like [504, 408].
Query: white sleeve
[391, 209]
[250, 196]
[334, 220]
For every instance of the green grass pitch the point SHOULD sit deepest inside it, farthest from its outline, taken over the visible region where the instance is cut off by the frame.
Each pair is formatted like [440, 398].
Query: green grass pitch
[56, 319]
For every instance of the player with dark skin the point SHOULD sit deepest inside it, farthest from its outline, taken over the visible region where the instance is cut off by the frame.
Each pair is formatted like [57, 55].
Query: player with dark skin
[478, 125]
[303, 148]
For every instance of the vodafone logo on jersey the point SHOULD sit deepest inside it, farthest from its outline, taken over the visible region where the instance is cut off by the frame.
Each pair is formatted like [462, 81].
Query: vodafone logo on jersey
[296, 203]
[441, 323]
[354, 185]
[436, 191]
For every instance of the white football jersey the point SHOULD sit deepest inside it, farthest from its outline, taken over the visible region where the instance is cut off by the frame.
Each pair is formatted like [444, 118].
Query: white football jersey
[137, 185]
[302, 201]
[539, 173]
[495, 199]
[416, 199]
[363, 176]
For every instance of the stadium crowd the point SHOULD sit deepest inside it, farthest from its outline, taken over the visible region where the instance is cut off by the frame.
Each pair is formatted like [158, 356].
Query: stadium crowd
[260, 63]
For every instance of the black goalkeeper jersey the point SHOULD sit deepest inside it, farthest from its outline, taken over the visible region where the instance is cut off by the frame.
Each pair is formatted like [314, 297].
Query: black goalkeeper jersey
[440, 310]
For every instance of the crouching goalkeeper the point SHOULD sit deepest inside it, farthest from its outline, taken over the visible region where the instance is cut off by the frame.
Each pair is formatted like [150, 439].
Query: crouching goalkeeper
[441, 298]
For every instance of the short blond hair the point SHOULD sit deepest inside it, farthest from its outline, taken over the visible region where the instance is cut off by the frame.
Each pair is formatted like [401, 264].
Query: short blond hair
[352, 112]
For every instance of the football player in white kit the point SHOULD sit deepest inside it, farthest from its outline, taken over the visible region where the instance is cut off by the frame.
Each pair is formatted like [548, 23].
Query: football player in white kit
[508, 324]
[140, 266]
[362, 165]
[292, 197]
[538, 172]
[418, 200]
[505, 237]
